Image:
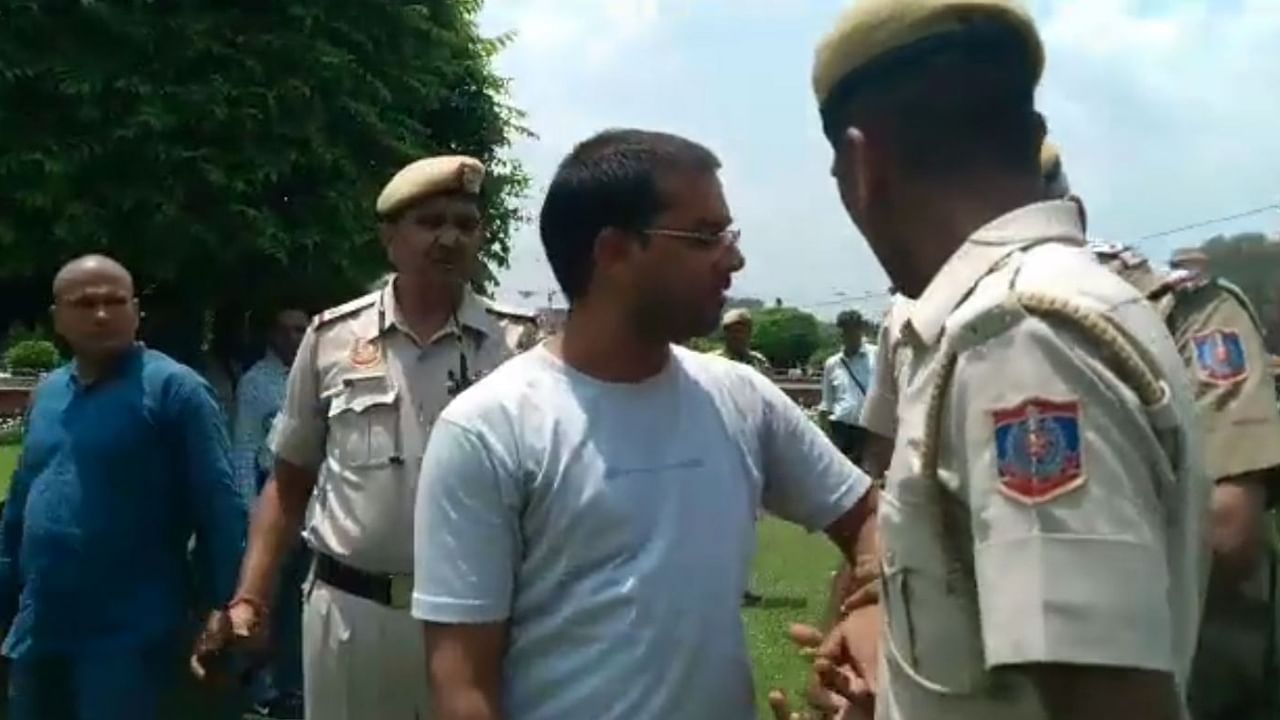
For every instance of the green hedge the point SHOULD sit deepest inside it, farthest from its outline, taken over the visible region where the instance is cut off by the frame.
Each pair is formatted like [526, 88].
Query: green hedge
[32, 357]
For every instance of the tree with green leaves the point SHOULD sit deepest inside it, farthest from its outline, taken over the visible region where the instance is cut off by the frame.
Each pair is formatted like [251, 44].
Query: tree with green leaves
[786, 335]
[229, 153]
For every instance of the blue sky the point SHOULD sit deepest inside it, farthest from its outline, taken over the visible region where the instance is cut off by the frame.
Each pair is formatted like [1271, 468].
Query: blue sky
[1167, 112]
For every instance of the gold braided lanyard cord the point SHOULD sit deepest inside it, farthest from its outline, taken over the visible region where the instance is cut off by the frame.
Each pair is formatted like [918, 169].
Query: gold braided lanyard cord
[1120, 353]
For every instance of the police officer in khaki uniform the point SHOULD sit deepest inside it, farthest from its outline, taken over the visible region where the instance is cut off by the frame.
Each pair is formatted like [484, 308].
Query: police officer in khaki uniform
[737, 326]
[369, 379]
[1220, 337]
[1043, 517]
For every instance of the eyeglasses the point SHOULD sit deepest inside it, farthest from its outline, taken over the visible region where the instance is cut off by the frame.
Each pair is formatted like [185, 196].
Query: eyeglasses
[706, 241]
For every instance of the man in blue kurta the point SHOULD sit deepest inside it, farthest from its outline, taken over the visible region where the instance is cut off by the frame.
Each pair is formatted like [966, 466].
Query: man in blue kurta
[125, 457]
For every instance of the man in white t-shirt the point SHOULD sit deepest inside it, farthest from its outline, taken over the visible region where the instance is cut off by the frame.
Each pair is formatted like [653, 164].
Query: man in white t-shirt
[585, 517]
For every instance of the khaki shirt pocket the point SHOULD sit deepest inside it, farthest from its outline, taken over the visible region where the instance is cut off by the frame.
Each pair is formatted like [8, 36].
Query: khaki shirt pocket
[934, 632]
[364, 423]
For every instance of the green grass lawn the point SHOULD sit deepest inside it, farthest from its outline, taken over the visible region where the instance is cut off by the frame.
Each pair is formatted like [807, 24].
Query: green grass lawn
[793, 573]
[8, 461]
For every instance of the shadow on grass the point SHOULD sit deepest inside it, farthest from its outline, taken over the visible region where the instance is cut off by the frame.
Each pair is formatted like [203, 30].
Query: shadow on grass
[780, 603]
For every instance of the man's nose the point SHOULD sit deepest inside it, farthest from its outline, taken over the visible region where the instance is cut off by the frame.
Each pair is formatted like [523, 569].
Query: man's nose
[449, 237]
[734, 259]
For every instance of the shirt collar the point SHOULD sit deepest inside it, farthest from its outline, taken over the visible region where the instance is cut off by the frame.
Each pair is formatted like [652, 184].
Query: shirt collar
[1052, 221]
[472, 314]
[126, 360]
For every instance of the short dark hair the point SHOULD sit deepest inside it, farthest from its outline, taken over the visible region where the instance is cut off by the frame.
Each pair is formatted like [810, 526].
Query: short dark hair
[850, 318]
[948, 104]
[609, 180]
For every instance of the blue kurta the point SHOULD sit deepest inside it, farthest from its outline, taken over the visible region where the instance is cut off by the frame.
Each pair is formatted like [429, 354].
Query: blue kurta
[113, 480]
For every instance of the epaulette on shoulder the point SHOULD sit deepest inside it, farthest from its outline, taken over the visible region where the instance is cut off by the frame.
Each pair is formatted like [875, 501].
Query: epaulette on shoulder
[1185, 281]
[345, 309]
[1123, 256]
[1134, 367]
[510, 312]
[1234, 291]
[983, 323]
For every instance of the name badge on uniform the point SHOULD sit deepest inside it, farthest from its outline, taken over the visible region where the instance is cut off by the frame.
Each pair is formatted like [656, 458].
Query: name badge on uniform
[1038, 450]
[1220, 357]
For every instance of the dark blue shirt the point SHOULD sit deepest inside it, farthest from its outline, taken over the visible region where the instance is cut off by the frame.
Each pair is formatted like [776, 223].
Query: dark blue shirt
[113, 480]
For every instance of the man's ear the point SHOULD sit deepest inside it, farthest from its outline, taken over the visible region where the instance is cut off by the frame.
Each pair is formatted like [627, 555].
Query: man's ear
[612, 247]
[854, 170]
[862, 169]
[386, 236]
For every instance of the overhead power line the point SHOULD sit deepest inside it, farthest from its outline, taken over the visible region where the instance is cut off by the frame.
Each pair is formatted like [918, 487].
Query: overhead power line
[1210, 221]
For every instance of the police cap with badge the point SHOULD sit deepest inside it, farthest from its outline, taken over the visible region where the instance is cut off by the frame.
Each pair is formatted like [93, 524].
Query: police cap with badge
[424, 178]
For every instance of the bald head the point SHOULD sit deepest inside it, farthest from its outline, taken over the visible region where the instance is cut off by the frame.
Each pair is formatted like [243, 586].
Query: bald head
[90, 270]
[94, 309]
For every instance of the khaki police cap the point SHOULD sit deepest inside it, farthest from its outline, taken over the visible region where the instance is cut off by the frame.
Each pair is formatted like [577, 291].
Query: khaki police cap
[872, 29]
[431, 176]
[733, 317]
[1188, 256]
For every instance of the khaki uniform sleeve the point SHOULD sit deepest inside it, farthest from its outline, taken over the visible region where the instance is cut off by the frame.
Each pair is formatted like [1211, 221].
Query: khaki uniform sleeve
[880, 409]
[1059, 467]
[1240, 419]
[300, 429]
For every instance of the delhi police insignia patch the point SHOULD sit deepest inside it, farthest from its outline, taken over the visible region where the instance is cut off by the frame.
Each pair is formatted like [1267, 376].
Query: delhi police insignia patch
[1038, 450]
[1220, 357]
[365, 354]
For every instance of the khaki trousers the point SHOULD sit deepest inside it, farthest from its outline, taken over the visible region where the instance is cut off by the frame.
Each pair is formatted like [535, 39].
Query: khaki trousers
[361, 660]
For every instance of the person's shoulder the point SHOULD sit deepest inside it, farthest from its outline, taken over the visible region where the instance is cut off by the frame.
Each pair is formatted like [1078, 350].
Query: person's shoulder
[503, 393]
[508, 313]
[1071, 272]
[259, 375]
[1056, 282]
[346, 311]
[714, 360]
[165, 374]
[54, 381]
[718, 370]
[1188, 286]
[519, 326]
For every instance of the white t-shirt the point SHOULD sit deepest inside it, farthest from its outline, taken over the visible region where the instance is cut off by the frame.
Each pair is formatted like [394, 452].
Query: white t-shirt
[846, 382]
[613, 527]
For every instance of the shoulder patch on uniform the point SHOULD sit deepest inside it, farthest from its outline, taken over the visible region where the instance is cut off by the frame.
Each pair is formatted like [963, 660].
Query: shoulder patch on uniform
[1039, 455]
[1220, 356]
[346, 309]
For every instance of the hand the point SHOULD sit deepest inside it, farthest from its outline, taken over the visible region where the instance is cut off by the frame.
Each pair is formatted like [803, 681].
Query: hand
[1238, 532]
[846, 661]
[241, 626]
[867, 594]
[782, 710]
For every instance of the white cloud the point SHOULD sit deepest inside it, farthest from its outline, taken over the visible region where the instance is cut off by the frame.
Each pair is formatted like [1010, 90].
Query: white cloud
[590, 34]
[1165, 114]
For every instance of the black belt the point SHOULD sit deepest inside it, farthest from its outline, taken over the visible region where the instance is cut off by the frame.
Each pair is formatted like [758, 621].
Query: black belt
[389, 590]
